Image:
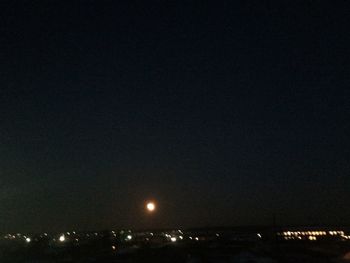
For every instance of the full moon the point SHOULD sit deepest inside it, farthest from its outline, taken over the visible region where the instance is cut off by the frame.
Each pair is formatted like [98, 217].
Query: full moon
[150, 206]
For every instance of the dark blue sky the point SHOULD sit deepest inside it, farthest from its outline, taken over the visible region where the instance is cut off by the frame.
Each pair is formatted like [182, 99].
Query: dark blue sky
[226, 113]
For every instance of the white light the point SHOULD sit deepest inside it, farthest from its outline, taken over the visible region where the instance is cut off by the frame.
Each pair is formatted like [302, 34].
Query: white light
[28, 239]
[312, 238]
[173, 239]
[259, 235]
[181, 237]
[113, 247]
[151, 206]
[129, 237]
[62, 238]
[196, 238]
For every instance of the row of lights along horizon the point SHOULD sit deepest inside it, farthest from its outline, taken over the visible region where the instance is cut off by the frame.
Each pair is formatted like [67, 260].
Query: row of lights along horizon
[171, 236]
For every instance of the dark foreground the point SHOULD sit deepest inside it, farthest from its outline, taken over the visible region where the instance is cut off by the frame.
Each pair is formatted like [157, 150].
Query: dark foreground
[239, 245]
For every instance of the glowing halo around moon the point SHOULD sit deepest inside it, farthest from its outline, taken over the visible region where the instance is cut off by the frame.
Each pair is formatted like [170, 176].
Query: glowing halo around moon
[151, 207]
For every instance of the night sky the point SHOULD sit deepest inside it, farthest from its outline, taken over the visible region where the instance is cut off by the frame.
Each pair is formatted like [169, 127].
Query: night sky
[226, 113]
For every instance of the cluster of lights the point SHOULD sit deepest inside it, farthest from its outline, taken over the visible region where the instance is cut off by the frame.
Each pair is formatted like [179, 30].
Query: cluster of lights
[304, 233]
[310, 235]
[334, 233]
[292, 238]
[71, 236]
[9, 236]
[174, 238]
[61, 238]
[18, 236]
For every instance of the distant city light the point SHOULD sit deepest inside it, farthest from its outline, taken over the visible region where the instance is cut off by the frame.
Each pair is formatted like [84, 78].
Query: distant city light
[259, 235]
[173, 239]
[129, 237]
[28, 239]
[310, 235]
[113, 247]
[150, 206]
[62, 238]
